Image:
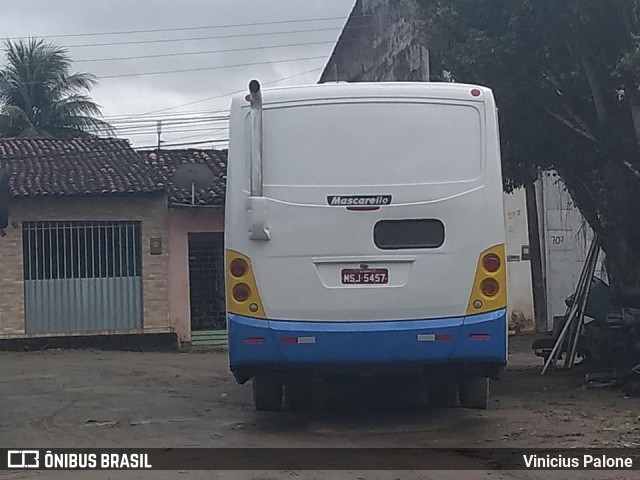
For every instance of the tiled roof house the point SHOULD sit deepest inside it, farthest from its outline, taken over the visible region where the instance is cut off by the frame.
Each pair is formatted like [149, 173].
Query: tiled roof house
[86, 251]
[41, 167]
[196, 243]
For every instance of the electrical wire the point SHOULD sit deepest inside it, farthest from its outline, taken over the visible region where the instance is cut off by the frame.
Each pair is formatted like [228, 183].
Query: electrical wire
[205, 52]
[154, 147]
[178, 29]
[193, 39]
[224, 95]
[215, 67]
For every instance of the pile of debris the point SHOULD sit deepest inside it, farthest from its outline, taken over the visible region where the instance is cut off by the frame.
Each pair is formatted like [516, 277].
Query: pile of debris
[600, 331]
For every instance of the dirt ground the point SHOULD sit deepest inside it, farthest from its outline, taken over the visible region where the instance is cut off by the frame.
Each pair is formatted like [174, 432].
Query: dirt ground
[119, 399]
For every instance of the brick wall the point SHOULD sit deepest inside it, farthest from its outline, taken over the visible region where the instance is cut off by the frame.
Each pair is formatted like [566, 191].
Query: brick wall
[150, 210]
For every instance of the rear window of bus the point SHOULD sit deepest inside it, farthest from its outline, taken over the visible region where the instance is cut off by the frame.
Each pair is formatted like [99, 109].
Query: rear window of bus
[372, 144]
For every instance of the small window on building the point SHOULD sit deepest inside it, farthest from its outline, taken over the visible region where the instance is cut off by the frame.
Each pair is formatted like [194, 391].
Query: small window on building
[79, 249]
[408, 234]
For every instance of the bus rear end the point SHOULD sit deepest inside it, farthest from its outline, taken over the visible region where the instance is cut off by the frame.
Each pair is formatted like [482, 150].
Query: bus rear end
[365, 234]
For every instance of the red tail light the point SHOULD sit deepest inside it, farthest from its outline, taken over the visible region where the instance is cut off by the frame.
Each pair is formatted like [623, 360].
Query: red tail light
[238, 267]
[480, 336]
[491, 263]
[444, 337]
[241, 292]
[489, 287]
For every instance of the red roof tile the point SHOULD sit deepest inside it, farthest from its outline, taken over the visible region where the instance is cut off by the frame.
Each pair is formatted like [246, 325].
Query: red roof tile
[169, 160]
[83, 166]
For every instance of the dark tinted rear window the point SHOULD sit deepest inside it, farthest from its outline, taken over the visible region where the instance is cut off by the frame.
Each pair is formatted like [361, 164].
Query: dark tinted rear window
[405, 234]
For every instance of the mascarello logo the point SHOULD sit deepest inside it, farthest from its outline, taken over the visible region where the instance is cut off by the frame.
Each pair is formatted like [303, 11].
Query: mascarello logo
[358, 200]
[23, 459]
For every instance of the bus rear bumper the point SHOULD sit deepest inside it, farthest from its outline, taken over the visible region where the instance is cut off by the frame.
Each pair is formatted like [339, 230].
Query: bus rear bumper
[463, 342]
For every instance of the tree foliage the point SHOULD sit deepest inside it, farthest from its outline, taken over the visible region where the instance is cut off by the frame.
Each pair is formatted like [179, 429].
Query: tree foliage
[40, 97]
[566, 74]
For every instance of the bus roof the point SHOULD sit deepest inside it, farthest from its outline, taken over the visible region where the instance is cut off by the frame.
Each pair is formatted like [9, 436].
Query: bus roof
[332, 91]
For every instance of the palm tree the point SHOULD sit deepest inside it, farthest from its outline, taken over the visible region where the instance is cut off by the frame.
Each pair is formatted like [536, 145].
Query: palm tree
[40, 97]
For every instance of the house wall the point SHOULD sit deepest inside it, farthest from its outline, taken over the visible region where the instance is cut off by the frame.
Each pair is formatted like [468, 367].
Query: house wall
[183, 221]
[151, 211]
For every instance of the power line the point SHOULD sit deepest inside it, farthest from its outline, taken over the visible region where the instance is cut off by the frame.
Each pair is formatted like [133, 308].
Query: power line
[178, 29]
[155, 147]
[177, 128]
[224, 95]
[205, 52]
[193, 39]
[201, 52]
[145, 116]
[217, 67]
[167, 132]
[165, 127]
[132, 124]
[187, 114]
[186, 137]
[199, 69]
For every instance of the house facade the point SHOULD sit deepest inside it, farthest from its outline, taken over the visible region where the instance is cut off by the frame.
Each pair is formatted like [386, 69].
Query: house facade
[196, 241]
[86, 250]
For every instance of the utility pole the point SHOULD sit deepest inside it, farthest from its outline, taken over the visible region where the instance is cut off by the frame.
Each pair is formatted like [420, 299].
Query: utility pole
[535, 258]
[159, 130]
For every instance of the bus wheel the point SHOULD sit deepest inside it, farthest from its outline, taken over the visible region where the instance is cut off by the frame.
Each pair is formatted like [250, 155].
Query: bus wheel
[442, 394]
[267, 393]
[299, 396]
[474, 393]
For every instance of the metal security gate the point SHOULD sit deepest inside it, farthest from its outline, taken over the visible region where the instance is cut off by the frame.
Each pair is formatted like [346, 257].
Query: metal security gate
[206, 289]
[82, 276]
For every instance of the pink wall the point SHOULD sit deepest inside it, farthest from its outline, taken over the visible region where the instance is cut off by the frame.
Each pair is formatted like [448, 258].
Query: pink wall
[183, 221]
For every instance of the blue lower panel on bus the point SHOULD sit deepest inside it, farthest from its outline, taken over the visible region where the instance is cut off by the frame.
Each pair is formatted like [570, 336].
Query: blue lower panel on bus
[473, 338]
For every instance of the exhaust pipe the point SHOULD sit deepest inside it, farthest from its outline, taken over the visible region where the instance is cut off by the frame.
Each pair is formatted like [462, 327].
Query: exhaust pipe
[257, 204]
[256, 138]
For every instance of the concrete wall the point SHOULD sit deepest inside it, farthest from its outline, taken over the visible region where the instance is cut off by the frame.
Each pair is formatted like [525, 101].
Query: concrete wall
[379, 44]
[183, 221]
[520, 296]
[566, 238]
[150, 210]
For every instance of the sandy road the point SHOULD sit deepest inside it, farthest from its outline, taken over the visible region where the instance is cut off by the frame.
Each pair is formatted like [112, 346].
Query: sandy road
[118, 399]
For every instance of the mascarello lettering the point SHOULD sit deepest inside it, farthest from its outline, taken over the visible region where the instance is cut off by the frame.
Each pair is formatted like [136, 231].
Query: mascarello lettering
[337, 200]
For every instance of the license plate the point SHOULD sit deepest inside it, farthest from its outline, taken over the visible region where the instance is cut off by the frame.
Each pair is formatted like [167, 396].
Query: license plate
[361, 276]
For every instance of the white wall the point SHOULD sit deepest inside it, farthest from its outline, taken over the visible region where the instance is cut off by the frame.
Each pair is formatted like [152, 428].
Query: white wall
[566, 237]
[520, 296]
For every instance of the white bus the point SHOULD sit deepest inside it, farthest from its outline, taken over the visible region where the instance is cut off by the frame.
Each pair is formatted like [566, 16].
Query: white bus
[365, 235]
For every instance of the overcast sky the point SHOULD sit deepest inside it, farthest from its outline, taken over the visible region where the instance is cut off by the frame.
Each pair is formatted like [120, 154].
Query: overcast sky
[126, 98]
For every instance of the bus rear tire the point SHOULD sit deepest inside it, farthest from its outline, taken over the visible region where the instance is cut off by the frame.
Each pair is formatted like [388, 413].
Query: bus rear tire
[299, 396]
[474, 393]
[442, 394]
[267, 393]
